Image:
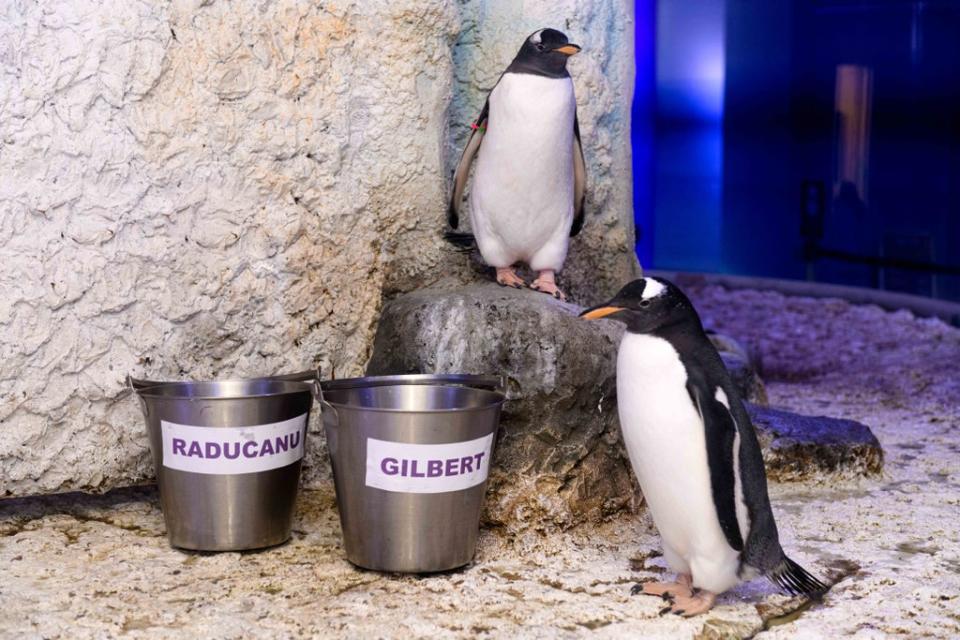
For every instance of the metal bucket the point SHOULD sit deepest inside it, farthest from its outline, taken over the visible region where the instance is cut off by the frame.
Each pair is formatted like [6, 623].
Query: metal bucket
[227, 458]
[410, 457]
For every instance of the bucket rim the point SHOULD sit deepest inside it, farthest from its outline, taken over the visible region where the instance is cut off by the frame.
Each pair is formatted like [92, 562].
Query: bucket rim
[282, 388]
[300, 376]
[499, 398]
[482, 381]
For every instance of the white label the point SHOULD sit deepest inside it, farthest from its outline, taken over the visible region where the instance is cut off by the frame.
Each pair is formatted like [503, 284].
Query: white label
[233, 450]
[427, 468]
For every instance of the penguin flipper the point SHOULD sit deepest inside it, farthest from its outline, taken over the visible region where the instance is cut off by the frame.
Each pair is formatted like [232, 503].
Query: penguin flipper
[762, 550]
[579, 180]
[720, 431]
[462, 172]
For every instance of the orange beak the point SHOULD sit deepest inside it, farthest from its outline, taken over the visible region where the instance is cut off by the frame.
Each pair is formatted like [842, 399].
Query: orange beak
[599, 312]
[569, 49]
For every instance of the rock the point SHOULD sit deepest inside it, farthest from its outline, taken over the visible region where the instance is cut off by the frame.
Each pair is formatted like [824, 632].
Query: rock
[559, 460]
[196, 190]
[797, 447]
[746, 378]
[727, 344]
[741, 368]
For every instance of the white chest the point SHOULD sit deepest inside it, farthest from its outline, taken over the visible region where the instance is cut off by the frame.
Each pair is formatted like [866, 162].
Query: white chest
[532, 106]
[522, 195]
[664, 436]
[530, 124]
[656, 414]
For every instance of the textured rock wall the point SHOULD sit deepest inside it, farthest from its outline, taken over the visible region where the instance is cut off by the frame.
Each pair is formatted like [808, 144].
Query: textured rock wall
[210, 189]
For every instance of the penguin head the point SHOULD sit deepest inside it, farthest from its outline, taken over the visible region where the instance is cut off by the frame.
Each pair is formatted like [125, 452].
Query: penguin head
[646, 305]
[544, 53]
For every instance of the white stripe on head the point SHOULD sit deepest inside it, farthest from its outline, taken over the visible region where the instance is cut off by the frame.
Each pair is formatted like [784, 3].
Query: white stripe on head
[652, 289]
[536, 37]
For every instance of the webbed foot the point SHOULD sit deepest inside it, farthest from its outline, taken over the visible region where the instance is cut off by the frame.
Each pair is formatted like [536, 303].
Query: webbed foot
[507, 277]
[546, 283]
[699, 602]
[665, 590]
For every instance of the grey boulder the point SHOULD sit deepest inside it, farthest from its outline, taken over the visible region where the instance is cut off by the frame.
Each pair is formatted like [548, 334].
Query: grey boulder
[797, 447]
[741, 366]
[559, 458]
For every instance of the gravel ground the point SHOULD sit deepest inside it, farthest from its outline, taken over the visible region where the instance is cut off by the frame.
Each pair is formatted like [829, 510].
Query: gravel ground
[81, 566]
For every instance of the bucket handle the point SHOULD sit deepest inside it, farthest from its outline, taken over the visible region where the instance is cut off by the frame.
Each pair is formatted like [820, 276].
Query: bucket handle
[136, 384]
[328, 412]
[313, 381]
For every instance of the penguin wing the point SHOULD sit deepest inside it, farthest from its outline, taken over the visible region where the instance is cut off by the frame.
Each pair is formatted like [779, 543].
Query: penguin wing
[762, 550]
[579, 179]
[463, 167]
[720, 431]
[762, 546]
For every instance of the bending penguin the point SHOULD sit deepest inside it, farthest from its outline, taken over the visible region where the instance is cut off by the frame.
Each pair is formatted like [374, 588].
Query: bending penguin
[529, 184]
[694, 451]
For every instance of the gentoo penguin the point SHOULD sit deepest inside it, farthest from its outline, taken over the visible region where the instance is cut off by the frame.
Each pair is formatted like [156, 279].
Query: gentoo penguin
[694, 451]
[529, 184]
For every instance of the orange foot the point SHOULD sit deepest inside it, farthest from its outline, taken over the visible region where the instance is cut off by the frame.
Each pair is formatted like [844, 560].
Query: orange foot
[688, 606]
[507, 277]
[666, 590]
[546, 283]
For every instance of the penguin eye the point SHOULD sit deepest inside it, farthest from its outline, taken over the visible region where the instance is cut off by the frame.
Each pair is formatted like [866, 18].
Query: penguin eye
[644, 303]
[540, 46]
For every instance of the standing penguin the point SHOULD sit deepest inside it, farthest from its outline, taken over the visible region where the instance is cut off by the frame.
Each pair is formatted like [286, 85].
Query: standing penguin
[694, 452]
[528, 191]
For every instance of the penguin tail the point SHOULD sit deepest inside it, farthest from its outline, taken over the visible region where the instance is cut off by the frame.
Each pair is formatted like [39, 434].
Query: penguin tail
[464, 242]
[796, 580]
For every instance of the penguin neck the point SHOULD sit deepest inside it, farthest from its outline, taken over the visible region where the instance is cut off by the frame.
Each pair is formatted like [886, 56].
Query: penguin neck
[687, 330]
[548, 70]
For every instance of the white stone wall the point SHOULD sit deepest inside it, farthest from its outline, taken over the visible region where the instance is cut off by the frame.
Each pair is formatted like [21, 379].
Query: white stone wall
[210, 189]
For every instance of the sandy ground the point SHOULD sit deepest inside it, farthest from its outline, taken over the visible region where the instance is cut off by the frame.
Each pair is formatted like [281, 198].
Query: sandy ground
[83, 567]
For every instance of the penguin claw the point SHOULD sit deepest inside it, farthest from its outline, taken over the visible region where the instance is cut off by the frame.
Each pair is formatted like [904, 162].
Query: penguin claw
[665, 611]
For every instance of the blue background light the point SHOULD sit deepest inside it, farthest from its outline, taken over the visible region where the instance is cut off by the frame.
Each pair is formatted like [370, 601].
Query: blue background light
[739, 105]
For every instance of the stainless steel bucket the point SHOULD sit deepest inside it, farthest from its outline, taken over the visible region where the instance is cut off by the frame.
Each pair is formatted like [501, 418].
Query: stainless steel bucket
[227, 458]
[410, 457]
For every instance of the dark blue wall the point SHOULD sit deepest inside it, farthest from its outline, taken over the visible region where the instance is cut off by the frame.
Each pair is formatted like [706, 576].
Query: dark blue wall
[724, 190]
